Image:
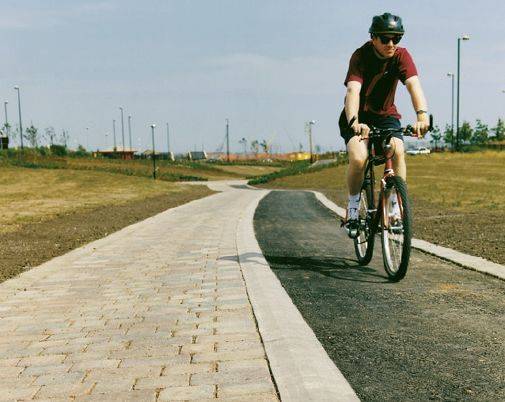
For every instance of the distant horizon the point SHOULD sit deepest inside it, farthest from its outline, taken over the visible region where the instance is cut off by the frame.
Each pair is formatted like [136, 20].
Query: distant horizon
[268, 67]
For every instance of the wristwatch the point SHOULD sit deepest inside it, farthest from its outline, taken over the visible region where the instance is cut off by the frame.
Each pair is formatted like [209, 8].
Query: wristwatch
[421, 111]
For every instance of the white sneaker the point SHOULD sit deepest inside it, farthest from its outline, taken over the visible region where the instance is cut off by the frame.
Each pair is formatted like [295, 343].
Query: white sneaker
[352, 223]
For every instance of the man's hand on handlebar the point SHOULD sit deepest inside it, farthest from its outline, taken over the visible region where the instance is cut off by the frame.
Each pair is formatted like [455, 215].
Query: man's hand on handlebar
[360, 129]
[421, 126]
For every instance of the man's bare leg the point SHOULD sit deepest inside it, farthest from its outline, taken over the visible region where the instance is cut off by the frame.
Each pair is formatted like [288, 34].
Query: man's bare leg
[399, 165]
[357, 153]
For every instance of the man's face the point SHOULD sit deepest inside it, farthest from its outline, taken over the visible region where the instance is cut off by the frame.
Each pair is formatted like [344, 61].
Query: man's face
[385, 44]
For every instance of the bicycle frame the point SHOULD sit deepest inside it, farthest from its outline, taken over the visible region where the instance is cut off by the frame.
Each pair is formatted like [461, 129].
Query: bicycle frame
[373, 160]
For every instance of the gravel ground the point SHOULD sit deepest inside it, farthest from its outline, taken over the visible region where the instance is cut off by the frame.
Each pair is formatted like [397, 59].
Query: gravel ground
[35, 243]
[437, 335]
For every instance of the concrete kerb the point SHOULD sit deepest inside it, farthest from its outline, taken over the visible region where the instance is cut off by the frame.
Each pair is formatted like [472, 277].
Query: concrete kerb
[300, 366]
[463, 260]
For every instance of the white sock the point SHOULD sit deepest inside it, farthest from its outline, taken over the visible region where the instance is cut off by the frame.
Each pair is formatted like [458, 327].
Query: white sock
[354, 200]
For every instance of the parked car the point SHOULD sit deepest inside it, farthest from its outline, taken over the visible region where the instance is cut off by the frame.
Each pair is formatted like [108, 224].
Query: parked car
[418, 151]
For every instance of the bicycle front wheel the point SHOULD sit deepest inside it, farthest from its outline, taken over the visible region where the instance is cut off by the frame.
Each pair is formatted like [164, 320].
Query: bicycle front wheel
[364, 243]
[396, 228]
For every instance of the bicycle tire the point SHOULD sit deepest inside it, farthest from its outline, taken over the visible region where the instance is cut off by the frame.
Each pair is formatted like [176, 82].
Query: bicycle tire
[364, 243]
[396, 265]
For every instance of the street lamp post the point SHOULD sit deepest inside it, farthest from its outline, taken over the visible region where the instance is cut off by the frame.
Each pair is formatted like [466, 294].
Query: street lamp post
[130, 130]
[114, 134]
[227, 140]
[168, 142]
[308, 126]
[6, 119]
[452, 109]
[6, 126]
[20, 121]
[122, 127]
[87, 138]
[464, 37]
[154, 152]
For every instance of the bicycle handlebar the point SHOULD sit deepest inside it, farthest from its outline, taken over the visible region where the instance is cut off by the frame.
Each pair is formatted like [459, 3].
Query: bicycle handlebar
[379, 132]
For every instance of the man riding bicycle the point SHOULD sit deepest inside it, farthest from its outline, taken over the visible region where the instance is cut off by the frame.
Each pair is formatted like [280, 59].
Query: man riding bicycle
[374, 71]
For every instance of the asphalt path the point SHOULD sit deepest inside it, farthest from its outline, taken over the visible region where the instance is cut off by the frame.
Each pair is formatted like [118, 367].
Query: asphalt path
[437, 335]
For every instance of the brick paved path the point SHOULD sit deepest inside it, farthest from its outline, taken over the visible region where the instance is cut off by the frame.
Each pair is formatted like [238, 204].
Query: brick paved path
[157, 311]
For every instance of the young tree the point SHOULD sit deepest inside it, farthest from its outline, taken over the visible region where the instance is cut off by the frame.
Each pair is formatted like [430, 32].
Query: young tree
[436, 136]
[266, 146]
[499, 130]
[480, 134]
[31, 135]
[64, 138]
[255, 147]
[465, 132]
[50, 135]
[7, 129]
[449, 136]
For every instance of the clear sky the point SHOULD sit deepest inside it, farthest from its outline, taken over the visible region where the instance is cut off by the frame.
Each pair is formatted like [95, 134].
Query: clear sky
[268, 66]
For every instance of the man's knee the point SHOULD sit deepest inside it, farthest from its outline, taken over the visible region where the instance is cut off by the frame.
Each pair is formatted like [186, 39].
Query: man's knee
[399, 149]
[357, 153]
[357, 161]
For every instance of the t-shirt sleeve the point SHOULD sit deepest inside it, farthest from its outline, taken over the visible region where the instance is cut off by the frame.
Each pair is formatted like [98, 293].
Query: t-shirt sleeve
[355, 72]
[406, 67]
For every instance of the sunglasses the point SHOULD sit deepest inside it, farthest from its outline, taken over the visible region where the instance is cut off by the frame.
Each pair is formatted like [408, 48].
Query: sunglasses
[385, 39]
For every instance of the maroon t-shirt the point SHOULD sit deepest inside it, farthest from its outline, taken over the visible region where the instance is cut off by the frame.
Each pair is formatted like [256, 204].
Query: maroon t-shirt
[379, 78]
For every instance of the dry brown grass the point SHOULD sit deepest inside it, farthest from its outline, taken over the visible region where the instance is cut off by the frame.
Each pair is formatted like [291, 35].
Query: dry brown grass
[248, 170]
[460, 182]
[30, 195]
[144, 167]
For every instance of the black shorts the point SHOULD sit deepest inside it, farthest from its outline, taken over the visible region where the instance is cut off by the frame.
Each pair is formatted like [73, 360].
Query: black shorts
[369, 119]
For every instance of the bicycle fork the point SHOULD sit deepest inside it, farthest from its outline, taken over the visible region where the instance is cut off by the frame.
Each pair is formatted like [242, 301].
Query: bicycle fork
[384, 198]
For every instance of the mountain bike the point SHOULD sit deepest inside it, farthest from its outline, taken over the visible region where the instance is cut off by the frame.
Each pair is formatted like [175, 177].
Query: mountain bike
[377, 212]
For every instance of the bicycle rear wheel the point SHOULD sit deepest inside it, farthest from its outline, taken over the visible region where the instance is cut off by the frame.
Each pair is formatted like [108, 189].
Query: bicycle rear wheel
[397, 232]
[364, 243]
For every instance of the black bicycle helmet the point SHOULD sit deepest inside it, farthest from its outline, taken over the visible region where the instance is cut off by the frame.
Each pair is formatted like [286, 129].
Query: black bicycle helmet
[386, 24]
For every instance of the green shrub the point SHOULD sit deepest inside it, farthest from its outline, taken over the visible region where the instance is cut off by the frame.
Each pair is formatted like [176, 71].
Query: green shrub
[58, 150]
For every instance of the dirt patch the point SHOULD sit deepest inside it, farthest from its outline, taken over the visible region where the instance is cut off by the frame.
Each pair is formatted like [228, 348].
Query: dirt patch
[34, 243]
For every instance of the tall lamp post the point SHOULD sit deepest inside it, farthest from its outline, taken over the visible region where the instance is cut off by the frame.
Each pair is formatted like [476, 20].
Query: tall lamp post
[464, 37]
[122, 127]
[130, 130]
[20, 122]
[451, 75]
[6, 126]
[114, 134]
[227, 140]
[168, 142]
[6, 119]
[154, 152]
[308, 126]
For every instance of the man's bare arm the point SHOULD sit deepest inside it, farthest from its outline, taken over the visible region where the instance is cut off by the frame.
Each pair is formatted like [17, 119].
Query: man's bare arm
[352, 107]
[352, 100]
[419, 103]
